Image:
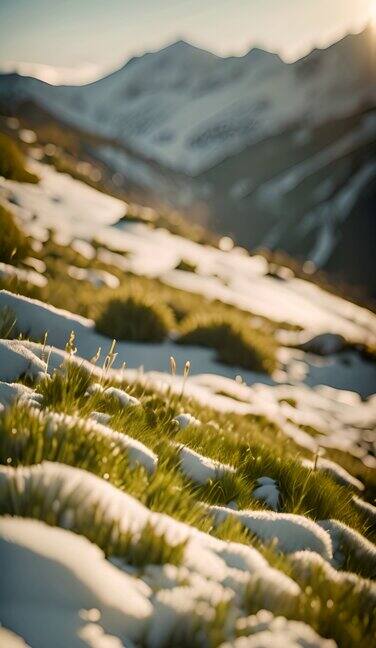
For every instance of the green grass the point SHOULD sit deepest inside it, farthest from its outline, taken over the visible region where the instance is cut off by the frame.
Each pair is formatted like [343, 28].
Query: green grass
[337, 610]
[251, 444]
[14, 244]
[136, 317]
[235, 341]
[186, 266]
[8, 324]
[254, 446]
[12, 162]
[145, 309]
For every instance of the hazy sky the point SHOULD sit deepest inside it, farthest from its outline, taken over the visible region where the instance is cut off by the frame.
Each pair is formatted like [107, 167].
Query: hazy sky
[96, 35]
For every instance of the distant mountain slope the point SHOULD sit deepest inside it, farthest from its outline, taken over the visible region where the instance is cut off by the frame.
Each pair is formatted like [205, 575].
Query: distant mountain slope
[190, 108]
[278, 154]
[297, 190]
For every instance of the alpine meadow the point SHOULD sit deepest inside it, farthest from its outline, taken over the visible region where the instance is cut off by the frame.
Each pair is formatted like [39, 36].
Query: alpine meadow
[187, 324]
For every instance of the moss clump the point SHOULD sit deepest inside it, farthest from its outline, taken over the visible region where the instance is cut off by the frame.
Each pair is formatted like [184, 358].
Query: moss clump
[235, 341]
[12, 162]
[14, 245]
[136, 317]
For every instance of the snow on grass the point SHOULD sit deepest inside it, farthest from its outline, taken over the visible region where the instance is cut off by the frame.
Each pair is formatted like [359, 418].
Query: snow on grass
[65, 489]
[30, 276]
[123, 399]
[35, 318]
[95, 277]
[185, 420]
[78, 211]
[63, 203]
[307, 565]
[367, 508]
[83, 248]
[263, 630]
[137, 452]
[339, 474]
[290, 532]
[16, 361]
[100, 417]
[10, 392]
[267, 491]
[348, 544]
[199, 468]
[57, 580]
[339, 417]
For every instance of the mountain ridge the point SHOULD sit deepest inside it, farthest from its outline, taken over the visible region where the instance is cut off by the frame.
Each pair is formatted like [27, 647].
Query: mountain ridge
[189, 108]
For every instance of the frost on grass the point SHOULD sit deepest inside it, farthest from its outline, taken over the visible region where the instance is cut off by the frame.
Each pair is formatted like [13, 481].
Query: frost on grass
[267, 491]
[56, 580]
[290, 532]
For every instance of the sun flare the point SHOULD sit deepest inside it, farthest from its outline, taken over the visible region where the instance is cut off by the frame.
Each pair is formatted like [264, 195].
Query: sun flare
[372, 13]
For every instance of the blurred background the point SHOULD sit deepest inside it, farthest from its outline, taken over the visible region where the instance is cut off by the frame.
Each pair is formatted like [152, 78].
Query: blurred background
[255, 119]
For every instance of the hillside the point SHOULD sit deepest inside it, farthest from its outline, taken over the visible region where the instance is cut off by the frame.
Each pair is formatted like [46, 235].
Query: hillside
[187, 434]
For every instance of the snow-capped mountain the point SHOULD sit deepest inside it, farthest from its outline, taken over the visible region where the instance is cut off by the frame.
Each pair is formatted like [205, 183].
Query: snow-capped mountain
[281, 153]
[189, 108]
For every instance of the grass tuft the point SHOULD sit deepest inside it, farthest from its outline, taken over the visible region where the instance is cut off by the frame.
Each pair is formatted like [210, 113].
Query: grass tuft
[137, 318]
[12, 163]
[14, 245]
[235, 341]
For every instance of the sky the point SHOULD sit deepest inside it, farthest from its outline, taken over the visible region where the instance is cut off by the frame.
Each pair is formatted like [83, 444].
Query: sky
[79, 40]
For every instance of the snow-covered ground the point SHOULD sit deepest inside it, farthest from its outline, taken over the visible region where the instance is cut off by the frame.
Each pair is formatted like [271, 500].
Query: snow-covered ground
[60, 585]
[341, 418]
[79, 213]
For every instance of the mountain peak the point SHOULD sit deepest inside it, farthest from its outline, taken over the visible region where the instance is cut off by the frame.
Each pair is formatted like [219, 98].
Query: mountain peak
[183, 47]
[258, 54]
[181, 44]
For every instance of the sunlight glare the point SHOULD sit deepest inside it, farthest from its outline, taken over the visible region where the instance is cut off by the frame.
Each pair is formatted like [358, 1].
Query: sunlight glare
[372, 13]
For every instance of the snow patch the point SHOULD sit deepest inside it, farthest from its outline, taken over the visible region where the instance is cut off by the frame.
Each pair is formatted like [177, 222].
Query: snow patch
[267, 491]
[339, 474]
[185, 420]
[29, 276]
[35, 557]
[264, 630]
[290, 532]
[347, 541]
[16, 361]
[199, 468]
